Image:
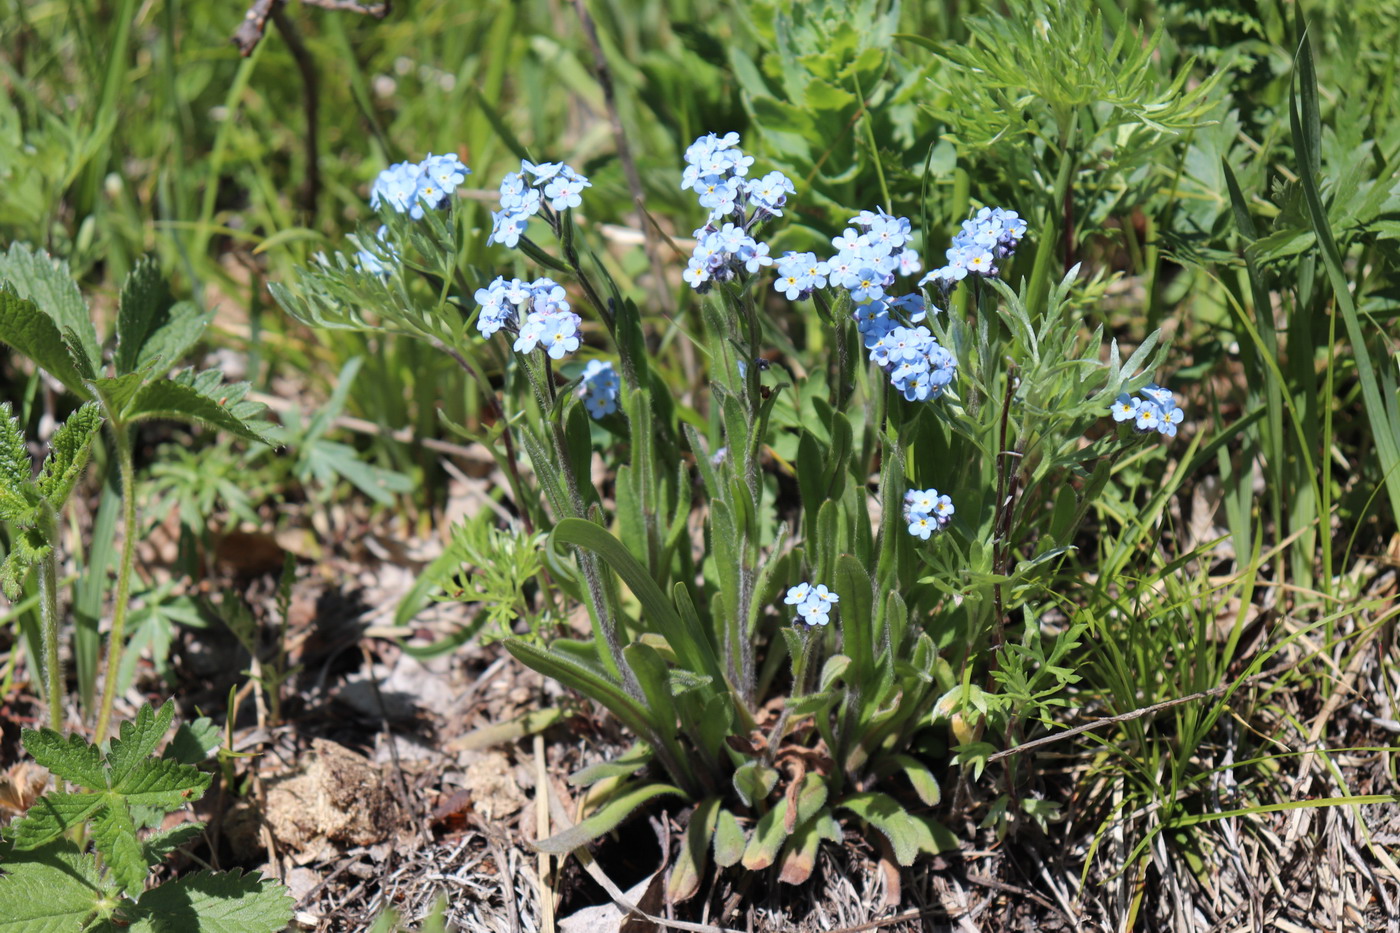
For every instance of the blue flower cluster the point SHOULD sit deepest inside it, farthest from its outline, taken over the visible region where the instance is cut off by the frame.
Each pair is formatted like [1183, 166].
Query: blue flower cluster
[813, 603]
[926, 512]
[410, 187]
[717, 171]
[599, 388]
[549, 187]
[990, 235]
[919, 366]
[536, 312]
[1155, 411]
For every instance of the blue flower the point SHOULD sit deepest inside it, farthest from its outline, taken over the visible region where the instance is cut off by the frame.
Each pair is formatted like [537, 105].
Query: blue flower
[1155, 411]
[599, 388]
[1125, 408]
[549, 187]
[927, 512]
[797, 595]
[799, 274]
[989, 235]
[410, 187]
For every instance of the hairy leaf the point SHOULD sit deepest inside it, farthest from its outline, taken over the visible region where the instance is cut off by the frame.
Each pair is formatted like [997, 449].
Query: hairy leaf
[163, 783]
[75, 759]
[156, 847]
[214, 902]
[68, 454]
[881, 811]
[729, 840]
[180, 400]
[50, 890]
[152, 327]
[16, 471]
[137, 739]
[31, 332]
[695, 852]
[114, 836]
[606, 819]
[51, 816]
[48, 283]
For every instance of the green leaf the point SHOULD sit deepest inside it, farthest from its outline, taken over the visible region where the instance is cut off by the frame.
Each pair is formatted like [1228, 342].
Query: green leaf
[729, 840]
[138, 739]
[754, 781]
[51, 816]
[629, 762]
[194, 741]
[606, 819]
[160, 844]
[151, 327]
[777, 823]
[114, 836]
[162, 782]
[178, 399]
[68, 454]
[27, 329]
[695, 852]
[214, 902]
[27, 548]
[918, 773]
[882, 812]
[50, 890]
[16, 470]
[49, 285]
[590, 683]
[691, 642]
[75, 760]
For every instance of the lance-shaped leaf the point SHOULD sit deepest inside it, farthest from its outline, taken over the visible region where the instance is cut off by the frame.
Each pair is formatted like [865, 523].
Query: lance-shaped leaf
[48, 283]
[31, 332]
[690, 641]
[918, 773]
[799, 856]
[695, 852]
[589, 682]
[606, 819]
[907, 834]
[68, 454]
[152, 328]
[772, 829]
[729, 840]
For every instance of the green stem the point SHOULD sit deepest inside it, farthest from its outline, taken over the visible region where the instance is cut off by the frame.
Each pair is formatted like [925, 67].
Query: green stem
[117, 639]
[48, 622]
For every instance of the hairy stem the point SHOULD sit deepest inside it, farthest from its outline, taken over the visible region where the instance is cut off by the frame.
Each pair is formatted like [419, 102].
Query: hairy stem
[116, 640]
[48, 621]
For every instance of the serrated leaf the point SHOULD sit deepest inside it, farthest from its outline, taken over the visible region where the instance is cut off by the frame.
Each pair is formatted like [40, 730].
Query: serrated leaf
[75, 759]
[158, 845]
[50, 890]
[27, 548]
[51, 816]
[114, 836]
[68, 454]
[16, 470]
[214, 902]
[48, 283]
[137, 739]
[179, 401]
[152, 327]
[194, 741]
[162, 782]
[27, 329]
[606, 819]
